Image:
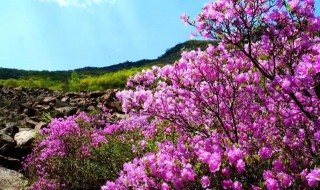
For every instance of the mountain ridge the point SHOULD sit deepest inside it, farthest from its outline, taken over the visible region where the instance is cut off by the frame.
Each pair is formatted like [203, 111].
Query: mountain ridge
[94, 78]
[171, 54]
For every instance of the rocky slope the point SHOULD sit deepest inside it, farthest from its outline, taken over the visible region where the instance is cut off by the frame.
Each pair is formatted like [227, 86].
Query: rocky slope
[24, 111]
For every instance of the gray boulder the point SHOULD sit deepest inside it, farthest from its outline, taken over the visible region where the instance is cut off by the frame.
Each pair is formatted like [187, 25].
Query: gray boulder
[24, 138]
[10, 163]
[6, 143]
[11, 129]
[11, 180]
[66, 111]
[47, 100]
[40, 125]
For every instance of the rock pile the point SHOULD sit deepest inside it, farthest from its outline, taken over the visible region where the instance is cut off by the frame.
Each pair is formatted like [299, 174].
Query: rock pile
[24, 111]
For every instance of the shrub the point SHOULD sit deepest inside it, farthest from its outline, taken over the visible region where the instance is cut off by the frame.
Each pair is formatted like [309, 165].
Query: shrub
[74, 153]
[240, 115]
[243, 114]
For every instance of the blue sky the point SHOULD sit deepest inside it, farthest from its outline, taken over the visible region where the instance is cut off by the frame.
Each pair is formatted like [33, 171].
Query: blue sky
[69, 34]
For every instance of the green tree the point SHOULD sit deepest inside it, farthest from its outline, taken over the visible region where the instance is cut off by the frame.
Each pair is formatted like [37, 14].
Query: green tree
[74, 82]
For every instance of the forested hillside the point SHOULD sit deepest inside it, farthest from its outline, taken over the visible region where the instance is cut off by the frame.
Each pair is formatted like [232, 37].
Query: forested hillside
[93, 78]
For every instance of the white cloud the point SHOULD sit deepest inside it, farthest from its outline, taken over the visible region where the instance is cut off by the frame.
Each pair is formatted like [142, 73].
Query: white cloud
[79, 3]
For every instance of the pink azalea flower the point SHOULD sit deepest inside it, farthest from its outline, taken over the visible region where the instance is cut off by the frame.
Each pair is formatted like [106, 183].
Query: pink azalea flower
[205, 181]
[272, 184]
[265, 153]
[237, 185]
[226, 184]
[313, 177]
[241, 166]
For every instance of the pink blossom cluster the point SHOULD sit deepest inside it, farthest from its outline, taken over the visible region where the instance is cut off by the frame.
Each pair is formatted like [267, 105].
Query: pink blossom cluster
[67, 137]
[240, 115]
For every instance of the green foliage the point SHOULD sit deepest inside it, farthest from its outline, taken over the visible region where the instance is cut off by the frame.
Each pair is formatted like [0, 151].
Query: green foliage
[74, 82]
[91, 172]
[116, 79]
[92, 78]
[46, 117]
